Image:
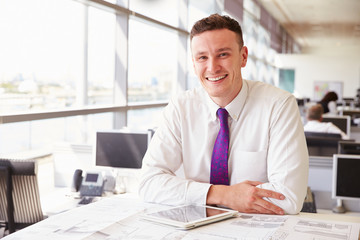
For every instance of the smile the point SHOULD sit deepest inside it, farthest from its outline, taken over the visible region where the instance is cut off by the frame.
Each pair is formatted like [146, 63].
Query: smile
[216, 78]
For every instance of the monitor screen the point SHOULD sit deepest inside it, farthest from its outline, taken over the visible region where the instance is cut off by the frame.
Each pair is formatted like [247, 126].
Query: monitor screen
[342, 122]
[120, 149]
[353, 114]
[346, 147]
[322, 144]
[346, 177]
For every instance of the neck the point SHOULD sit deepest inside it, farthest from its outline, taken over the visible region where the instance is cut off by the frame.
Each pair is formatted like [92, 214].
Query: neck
[224, 101]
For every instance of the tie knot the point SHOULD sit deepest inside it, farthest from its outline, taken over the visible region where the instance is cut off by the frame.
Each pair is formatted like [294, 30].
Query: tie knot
[223, 114]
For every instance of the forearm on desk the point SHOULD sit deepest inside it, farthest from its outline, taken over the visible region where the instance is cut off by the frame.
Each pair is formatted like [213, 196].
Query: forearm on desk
[159, 187]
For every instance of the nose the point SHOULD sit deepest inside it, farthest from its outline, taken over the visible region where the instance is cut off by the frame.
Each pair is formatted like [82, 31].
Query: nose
[213, 65]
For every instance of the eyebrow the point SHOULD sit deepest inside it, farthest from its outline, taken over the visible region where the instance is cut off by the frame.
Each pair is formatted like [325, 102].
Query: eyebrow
[224, 49]
[217, 51]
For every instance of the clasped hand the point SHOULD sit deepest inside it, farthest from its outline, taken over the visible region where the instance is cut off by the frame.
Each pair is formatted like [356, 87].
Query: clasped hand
[245, 197]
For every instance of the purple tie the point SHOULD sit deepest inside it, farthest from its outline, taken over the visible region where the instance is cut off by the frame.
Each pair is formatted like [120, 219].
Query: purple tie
[219, 159]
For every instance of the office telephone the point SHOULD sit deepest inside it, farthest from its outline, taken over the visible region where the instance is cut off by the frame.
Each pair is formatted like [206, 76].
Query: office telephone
[90, 185]
[309, 203]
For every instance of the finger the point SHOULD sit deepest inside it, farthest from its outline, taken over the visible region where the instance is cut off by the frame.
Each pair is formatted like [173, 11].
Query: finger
[269, 194]
[259, 209]
[254, 183]
[269, 207]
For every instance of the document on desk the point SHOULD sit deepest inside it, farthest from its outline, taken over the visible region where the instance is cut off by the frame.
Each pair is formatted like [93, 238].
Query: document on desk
[119, 218]
[81, 222]
[305, 228]
[245, 226]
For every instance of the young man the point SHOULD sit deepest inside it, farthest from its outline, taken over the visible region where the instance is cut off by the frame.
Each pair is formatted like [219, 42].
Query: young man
[266, 158]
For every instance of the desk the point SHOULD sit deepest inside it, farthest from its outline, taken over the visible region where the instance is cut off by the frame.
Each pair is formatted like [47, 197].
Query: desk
[119, 217]
[63, 199]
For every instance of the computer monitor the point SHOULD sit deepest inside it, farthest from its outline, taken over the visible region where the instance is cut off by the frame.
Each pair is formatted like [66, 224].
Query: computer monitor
[322, 144]
[300, 102]
[354, 114]
[342, 122]
[346, 179]
[121, 149]
[346, 147]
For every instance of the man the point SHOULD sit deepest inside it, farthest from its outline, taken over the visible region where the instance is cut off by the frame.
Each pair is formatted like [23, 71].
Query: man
[267, 158]
[315, 124]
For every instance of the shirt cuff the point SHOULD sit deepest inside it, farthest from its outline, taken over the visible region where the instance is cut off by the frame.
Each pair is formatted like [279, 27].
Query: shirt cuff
[197, 193]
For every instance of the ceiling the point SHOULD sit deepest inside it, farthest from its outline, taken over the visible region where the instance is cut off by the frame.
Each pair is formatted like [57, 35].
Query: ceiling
[319, 24]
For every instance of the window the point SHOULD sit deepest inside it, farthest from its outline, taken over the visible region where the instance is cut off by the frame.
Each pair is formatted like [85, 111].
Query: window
[199, 9]
[101, 57]
[162, 10]
[63, 56]
[152, 62]
[42, 54]
[143, 119]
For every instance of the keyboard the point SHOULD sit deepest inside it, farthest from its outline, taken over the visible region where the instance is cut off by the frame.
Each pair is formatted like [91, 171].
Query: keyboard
[309, 203]
[86, 200]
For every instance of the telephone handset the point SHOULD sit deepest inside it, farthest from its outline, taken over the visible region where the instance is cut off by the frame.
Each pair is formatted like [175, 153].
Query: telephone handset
[77, 179]
[90, 185]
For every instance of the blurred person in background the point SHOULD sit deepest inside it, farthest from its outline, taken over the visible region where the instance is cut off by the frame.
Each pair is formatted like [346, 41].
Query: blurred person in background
[328, 102]
[315, 124]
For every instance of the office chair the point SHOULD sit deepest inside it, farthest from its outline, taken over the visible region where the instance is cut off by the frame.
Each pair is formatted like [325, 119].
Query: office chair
[19, 194]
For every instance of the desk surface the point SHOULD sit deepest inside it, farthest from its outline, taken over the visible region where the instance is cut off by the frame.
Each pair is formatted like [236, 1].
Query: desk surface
[119, 217]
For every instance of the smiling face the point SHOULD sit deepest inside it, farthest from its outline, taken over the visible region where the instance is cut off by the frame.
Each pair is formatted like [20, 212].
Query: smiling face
[218, 59]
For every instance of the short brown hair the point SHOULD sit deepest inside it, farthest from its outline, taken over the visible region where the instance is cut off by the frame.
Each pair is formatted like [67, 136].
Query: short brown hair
[216, 22]
[315, 112]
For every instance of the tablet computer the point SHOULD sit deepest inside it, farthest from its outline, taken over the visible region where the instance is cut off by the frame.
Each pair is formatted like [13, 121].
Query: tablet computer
[190, 216]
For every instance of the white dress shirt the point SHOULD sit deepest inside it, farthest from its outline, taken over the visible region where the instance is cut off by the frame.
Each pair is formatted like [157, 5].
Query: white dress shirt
[332, 108]
[325, 127]
[267, 144]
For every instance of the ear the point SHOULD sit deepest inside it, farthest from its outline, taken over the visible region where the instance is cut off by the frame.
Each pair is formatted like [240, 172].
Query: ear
[244, 55]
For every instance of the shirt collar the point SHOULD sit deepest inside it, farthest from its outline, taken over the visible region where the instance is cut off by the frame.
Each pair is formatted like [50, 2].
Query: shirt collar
[235, 107]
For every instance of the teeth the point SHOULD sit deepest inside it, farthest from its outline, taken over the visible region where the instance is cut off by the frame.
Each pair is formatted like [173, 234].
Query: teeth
[216, 79]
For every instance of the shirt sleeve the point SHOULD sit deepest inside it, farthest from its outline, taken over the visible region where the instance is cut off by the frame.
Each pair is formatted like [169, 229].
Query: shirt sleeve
[287, 160]
[332, 108]
[161, 180]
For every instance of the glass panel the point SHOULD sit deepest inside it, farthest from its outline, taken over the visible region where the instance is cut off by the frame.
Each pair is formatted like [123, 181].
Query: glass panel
[262, 71]
[14, 137]
[101, 56]
[82, 129]
[163, 10]
[272, 75]
[41, 55]
[250, 33]
[152, 62]
[263, 43]
[143, 119]
[252, 7]
[270, 57]
[250, 71]
[45, 132]
[199, 9]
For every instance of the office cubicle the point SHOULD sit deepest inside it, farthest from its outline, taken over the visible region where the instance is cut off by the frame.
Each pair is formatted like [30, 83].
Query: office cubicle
[342, 122]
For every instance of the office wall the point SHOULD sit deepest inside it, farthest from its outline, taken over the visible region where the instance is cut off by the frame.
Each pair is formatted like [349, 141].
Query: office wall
[322, 67]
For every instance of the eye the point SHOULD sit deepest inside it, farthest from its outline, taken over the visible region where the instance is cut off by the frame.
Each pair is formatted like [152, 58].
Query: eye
[224, 54]
[201, 58]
